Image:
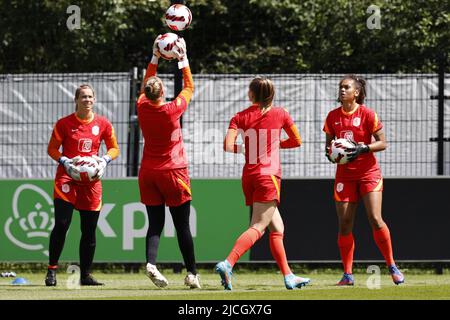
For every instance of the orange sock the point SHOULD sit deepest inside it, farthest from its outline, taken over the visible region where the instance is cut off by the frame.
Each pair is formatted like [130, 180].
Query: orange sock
[383, 240]
[278, 252]
[346, 246]
[243, 243]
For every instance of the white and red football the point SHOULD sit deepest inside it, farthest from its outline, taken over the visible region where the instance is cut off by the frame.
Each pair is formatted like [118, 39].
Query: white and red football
[166, 44]
[178, 17]
[88, 169]
[338, 151]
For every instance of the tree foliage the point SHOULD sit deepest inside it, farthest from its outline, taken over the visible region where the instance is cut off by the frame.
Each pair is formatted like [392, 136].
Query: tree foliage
[228, 36]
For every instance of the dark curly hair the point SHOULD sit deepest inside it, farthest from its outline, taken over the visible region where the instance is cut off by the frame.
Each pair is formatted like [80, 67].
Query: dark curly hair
[360, 85]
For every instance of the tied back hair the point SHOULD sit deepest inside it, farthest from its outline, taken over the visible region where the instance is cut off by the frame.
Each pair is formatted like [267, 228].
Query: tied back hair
[153, 88]
[78, 92]
[81, 87]
[360, 85]
[263, 91]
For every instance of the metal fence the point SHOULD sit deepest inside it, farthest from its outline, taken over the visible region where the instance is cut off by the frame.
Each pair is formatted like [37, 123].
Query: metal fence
[406, 104]
[402, 102]
[30, 105]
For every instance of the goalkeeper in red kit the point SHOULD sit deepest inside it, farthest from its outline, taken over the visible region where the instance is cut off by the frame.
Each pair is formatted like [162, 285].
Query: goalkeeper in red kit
[359, 179]
[78, 134]
[163, 176]
[260, 127]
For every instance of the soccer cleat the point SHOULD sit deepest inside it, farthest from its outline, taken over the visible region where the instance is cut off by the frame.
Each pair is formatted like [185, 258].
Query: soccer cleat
[396, 275]
[157, 278]
[89, 280]
[50, 279]
[347, 280]
[192, 281]
[291, 281]
[226, 272]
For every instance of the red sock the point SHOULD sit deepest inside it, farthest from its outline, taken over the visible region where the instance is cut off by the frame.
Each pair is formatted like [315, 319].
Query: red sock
[346, 246]
[243, 243]
[383, 240]
[278, 252]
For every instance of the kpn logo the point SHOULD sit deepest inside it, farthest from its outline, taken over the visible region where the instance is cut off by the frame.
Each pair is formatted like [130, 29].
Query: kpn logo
[32, 219]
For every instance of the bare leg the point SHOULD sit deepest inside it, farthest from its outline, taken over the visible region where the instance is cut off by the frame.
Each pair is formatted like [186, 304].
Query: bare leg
[372, 202]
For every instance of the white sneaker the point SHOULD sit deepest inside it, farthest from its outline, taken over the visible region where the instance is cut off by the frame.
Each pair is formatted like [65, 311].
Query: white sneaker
[192, 281]
[157, 278]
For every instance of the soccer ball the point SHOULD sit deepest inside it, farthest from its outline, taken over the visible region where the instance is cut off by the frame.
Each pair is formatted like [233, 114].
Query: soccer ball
[178, 17]
[166, 43]
[88, 168]
[338, 153]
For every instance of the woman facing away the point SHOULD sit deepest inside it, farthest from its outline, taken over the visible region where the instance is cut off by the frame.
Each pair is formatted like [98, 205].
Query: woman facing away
[260, 126]
[163, 175]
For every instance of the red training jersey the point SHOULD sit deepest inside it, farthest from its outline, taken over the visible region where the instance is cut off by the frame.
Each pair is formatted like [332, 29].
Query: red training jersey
[163, 148]
[359, 126]
[81, 138]
[161, 128]
[261, 135]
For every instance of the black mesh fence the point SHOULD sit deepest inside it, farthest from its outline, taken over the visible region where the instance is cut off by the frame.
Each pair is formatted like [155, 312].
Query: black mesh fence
[30, 105]
[407, 105]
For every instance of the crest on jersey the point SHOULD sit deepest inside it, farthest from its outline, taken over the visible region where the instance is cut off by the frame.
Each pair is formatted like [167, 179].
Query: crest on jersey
[84, 145]
[347, 134]
[95, 130]
[356, 121]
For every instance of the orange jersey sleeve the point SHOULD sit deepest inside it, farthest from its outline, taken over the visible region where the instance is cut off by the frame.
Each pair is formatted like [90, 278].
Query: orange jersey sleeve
[188, 86]
[112, 146]
[53, 145]
[151, 71]
[294, 139]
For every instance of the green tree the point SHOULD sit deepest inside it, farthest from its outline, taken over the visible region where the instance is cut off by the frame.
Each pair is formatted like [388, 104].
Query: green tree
[233, 36]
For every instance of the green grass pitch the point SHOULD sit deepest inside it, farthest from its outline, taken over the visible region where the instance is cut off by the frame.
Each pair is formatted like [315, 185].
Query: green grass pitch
[247, 286]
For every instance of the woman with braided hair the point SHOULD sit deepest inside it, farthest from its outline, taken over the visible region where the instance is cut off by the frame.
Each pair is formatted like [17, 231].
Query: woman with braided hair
[361, 177]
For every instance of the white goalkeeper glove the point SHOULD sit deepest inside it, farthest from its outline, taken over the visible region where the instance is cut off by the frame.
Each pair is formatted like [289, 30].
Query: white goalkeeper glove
[69, 166]
[156, 53]
[180, 53]
[102, 163]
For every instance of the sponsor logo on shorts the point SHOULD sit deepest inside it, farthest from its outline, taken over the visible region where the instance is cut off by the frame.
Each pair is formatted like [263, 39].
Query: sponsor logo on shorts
[65, 188]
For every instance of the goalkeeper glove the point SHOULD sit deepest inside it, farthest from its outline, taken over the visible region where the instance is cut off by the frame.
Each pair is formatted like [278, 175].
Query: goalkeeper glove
[69, 166]
[327, 153]
[102, 163]
[156, 53]
[180, 53]
[356, 150]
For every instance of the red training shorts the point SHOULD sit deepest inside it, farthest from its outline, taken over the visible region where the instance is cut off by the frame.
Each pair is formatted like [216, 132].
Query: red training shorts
[346, 190]
[170, 187]
[261, 188]
[83, 196]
